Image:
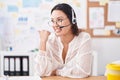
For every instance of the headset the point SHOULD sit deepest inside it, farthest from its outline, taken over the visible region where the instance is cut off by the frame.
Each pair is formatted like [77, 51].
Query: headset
[73, 17]
[73, 20]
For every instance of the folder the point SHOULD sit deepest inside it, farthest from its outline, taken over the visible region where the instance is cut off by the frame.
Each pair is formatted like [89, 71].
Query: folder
[25, 66]
[12, 66]
[6, 66]
[17, 66]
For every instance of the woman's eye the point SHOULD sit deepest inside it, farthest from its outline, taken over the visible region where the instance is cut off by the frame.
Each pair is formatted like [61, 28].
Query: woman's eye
[60, 20]
[52, 21]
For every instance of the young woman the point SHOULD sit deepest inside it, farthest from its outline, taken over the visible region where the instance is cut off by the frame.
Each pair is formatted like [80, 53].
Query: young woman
[68, 52]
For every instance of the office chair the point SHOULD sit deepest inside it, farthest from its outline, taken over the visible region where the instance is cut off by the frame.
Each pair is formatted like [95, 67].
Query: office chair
[94, 63]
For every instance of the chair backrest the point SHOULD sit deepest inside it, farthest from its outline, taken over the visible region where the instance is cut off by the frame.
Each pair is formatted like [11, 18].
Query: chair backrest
[94, 64]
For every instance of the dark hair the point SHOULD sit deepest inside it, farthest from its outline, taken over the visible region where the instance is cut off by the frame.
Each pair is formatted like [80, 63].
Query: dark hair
[67, 9]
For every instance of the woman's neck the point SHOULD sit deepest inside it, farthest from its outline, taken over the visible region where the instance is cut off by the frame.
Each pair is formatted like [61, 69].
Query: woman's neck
[67, 38]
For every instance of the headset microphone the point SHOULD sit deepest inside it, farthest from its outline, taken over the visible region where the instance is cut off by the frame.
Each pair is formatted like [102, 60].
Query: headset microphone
[64, 26]
[61, 27]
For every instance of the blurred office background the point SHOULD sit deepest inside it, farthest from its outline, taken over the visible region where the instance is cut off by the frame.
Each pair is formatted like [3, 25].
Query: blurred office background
[20, 21]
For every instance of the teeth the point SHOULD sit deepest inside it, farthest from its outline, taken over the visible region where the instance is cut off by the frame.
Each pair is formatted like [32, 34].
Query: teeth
[57, 30]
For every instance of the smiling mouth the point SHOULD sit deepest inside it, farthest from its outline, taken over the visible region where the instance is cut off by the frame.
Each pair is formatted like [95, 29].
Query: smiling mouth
[58, 30]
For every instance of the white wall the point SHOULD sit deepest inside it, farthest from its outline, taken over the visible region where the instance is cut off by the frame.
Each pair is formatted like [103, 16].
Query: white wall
[0, 43]
[108, 50]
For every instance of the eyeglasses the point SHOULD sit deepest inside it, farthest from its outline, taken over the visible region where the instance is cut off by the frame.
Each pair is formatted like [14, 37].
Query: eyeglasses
[58, 22]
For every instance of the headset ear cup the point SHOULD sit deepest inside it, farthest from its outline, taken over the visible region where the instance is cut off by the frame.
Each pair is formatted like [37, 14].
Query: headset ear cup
[73, 17]
[74, 21]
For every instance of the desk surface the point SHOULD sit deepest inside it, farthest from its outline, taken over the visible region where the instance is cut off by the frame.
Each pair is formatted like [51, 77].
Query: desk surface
[55, 78]
[63, 78]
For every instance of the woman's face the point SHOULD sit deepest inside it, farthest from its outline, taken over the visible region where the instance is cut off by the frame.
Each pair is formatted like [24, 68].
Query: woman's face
[59, 18]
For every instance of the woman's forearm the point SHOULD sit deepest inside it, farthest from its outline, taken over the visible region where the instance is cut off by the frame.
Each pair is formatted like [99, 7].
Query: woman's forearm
[43, 46]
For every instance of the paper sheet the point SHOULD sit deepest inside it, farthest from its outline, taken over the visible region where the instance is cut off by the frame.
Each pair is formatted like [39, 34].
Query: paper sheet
[103, 2]
[31, 3]
[101, 32]
[114, 11]
[96, 19]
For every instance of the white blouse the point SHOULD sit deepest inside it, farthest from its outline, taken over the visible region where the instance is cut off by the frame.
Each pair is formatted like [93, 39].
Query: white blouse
[77, 62]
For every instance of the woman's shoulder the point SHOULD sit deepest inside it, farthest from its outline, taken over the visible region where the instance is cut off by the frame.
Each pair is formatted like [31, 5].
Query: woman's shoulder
[84, 34]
